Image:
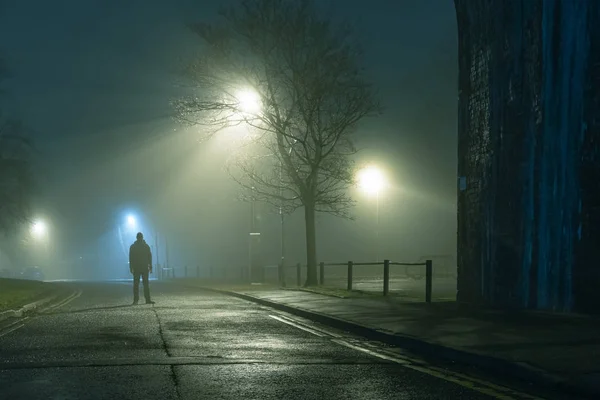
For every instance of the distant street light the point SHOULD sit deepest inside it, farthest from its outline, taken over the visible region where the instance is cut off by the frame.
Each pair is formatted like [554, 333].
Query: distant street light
[39, 229]
[372, 181]
[131, 222]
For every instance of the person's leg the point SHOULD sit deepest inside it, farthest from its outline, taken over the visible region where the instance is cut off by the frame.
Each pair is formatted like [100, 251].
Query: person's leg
[136, 287]
[146, 286]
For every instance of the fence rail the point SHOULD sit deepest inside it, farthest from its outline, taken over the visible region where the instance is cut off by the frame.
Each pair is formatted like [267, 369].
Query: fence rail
[195, 271]
[428, 264]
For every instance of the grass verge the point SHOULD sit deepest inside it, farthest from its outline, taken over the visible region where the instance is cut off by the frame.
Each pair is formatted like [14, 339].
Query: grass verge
[15, 293]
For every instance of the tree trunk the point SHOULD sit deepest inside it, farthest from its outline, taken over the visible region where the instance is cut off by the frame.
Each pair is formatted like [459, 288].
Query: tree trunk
[311, 244]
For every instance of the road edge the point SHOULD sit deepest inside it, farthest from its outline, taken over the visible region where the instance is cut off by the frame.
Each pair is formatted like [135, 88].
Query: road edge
[490, 364]
[38, 305]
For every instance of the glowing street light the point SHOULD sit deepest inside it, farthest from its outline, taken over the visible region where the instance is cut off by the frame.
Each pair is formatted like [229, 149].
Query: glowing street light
[249, 101]
[131, 222]
[39, 229]
[372, 181]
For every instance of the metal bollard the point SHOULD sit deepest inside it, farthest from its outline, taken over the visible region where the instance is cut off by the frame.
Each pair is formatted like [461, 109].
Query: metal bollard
[350, 265]
[298, 274]
[322, 273]
[386, 277]
[428, 280]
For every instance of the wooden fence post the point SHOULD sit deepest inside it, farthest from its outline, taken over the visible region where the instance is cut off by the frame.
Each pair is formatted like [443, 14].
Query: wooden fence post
[386, 277]
[298, 274]
[428, 280]
[350, 265]
[322, 273]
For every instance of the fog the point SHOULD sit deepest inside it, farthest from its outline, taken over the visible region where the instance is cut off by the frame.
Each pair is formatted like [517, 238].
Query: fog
[95, 83]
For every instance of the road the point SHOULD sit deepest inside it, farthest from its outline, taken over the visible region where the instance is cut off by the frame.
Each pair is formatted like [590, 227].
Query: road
[200, 345]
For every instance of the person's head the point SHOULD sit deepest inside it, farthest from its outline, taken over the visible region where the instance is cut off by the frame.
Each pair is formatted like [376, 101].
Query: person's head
[139, 236]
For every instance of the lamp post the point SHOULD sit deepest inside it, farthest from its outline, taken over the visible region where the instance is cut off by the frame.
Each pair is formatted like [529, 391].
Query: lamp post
[372, 180]
[249, 104]
[281, 213]
[251, 235]
[39, 231]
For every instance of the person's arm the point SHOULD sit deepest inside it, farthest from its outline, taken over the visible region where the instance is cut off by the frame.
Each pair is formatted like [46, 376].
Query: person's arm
[130, 265]
[149, 259]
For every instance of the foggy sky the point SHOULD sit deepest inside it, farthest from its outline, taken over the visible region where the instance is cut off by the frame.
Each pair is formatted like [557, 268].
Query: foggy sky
[94, 79]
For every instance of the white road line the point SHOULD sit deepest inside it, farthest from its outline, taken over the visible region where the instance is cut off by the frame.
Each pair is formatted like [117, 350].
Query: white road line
[478, 385]
[297, 326]
[310, 326]
[65, 301]
[488, 388]
[70, 299]
[14, 328]
[371, 352]
[314, 328]
[20, 323]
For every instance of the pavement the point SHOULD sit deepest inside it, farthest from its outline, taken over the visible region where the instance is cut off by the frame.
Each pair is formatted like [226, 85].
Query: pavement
[195, 344]
[560, 352]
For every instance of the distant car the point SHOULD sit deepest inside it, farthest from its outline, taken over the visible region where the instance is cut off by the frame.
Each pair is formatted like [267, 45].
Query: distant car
[6, 273]
[32, 273]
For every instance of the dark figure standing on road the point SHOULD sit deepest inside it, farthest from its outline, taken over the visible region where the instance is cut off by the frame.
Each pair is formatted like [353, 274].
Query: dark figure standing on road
[140, 264]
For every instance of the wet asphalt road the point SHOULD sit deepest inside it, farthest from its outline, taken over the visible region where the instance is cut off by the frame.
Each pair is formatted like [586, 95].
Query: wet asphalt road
[193, 345]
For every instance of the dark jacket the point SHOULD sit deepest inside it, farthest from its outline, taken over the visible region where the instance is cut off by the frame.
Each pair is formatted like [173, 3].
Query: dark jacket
[140, 256]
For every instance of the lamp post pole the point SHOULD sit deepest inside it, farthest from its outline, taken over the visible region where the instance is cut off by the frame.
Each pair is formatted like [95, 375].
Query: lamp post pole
[377, 227]
[251, 234]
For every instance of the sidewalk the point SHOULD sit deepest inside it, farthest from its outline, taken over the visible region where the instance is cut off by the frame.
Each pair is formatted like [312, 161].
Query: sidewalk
[551, 349]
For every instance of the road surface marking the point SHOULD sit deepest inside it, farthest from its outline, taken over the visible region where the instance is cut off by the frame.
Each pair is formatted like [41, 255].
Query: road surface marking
[307, 323]
[304, 328]
[370, 352]
[12, 328]
[66, 301]
[20, 323]
[478, 385]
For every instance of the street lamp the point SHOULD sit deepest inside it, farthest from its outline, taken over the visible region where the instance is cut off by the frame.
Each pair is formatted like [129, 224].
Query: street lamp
[249, 101]
[372, 181]
[249, 104]
[39, 229]
[131, 222]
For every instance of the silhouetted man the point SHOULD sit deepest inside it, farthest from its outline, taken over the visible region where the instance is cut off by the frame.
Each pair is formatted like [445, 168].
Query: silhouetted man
[140, 264]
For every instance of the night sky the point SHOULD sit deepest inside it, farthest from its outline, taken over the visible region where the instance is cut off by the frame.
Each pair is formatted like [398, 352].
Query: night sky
[94, 80]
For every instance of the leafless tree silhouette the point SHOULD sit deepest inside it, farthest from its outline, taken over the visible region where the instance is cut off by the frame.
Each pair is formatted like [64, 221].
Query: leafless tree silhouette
[294, 78]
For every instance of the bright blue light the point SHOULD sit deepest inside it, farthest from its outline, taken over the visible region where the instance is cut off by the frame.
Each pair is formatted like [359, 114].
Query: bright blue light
[131, 222]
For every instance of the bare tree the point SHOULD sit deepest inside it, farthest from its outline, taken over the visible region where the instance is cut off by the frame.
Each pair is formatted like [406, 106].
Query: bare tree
[16, 176]
[294, 78]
